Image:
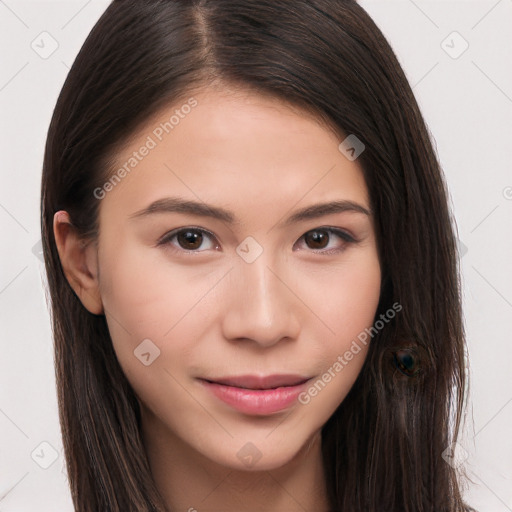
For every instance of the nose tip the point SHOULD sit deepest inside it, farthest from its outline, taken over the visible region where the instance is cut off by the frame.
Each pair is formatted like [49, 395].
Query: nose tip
[261, 308]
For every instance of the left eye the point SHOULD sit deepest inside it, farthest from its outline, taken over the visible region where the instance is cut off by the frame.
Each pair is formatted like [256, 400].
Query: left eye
[191, 239]
[319, 239]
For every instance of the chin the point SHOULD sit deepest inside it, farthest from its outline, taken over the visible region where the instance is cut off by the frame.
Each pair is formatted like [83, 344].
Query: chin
[258, 455]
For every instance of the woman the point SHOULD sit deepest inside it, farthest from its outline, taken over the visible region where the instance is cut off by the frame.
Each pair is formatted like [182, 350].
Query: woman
[252, 266]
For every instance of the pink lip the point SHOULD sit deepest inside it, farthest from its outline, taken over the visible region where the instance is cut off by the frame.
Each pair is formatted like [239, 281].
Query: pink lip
[255, 395]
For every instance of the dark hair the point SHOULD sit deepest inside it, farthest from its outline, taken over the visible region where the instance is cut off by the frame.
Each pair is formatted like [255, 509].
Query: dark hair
[383, 447]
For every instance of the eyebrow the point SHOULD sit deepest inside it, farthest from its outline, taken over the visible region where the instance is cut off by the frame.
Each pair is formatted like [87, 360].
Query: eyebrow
[179, 205]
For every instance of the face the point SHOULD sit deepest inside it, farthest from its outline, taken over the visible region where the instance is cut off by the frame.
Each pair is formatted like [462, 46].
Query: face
[235, 271]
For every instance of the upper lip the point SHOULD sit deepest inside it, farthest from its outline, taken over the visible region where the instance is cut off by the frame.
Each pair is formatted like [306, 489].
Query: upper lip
[260, 382]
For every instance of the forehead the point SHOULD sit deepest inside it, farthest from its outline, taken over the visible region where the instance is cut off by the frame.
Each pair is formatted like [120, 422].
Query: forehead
[234, 148]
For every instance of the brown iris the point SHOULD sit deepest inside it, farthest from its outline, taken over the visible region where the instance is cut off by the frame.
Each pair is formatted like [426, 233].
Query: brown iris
[189, 239]
[318, 238]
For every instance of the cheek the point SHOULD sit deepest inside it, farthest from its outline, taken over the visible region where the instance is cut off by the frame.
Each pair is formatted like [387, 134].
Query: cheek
[147, 305]
[346, 298]
[145, 292]
[143, 297]
[347, 306]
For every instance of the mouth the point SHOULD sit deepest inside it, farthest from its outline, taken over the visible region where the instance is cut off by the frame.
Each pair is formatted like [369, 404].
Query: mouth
[255, 395]
[256, 382]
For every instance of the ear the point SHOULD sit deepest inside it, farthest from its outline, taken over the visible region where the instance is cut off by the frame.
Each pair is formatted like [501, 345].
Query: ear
[79, 261]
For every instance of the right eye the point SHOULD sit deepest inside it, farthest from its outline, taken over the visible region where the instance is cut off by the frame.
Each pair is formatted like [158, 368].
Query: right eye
[188, 239]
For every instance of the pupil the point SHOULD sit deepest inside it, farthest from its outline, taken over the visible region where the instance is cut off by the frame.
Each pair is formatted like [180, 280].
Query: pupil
[190, 239]
[319, 239]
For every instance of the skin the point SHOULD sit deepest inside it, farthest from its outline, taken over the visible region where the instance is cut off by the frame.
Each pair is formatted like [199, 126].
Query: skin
[294, 309]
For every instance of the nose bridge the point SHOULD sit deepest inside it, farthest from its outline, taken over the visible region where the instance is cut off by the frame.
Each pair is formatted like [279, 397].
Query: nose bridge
[262, 307]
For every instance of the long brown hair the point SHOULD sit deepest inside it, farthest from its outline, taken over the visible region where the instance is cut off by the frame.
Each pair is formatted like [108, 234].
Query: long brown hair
[383, 446]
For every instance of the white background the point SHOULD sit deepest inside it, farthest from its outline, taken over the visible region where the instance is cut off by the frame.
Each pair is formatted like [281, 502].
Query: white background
[467, 103]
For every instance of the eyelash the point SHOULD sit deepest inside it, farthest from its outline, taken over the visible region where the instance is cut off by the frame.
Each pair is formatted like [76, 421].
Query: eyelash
[347, 239]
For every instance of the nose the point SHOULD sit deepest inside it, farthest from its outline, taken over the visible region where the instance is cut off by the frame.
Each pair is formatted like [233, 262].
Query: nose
[260, 303]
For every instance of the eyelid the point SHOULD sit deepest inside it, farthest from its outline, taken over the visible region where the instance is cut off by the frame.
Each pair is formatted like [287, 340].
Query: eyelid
[342, 233]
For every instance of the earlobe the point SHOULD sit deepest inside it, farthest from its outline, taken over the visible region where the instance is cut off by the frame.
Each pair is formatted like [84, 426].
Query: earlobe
[79, 262]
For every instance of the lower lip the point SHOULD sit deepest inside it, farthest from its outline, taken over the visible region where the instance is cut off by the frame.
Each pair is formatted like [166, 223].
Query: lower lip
[256, 401]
